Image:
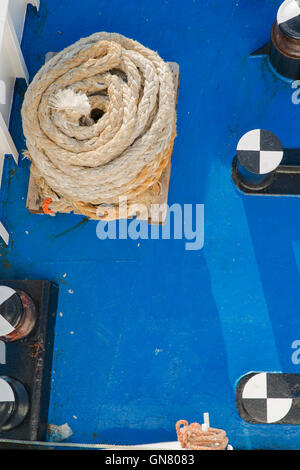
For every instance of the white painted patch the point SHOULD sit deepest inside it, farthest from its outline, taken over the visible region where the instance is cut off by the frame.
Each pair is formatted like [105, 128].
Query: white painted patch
[278, 408]
[157, 351]
[250, 141]
[288, 10]
[4, 233]
[256, 387]
[59, 433]
[269, 161]
[2, 92]
[6, 392]
[2, 352]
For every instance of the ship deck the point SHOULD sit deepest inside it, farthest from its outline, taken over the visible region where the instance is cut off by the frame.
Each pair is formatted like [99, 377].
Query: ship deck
[147, 332]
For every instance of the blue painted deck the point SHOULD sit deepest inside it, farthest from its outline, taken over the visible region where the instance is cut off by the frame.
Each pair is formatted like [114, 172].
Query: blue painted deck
[153, 333]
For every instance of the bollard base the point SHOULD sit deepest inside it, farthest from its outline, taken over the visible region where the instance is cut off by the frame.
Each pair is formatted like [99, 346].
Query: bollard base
[29, 359]
[27, 322]
[21, 405]
[283, 53]
[284, 181]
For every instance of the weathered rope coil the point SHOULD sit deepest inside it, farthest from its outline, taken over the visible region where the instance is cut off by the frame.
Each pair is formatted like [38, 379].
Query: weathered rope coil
[99, 121]
[194, 438]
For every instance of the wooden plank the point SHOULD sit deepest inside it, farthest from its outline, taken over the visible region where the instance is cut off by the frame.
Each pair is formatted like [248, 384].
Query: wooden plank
[34, 202]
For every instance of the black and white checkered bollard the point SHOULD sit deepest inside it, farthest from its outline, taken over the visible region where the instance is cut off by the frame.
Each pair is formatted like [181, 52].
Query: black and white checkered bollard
[285, 39]
[17, 314]
[288, 18]
[259, 153]
[269, 398]
[284, 47]
[14, 403]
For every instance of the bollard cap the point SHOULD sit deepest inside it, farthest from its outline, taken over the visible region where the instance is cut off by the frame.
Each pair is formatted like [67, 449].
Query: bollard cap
[259, 151]
[14, 403]
[267, 398]
[11, 310]
[288, 18]
[7, 401]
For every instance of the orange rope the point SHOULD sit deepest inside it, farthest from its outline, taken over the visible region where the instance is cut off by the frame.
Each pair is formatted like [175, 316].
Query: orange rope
[192, 437]
[45, 206]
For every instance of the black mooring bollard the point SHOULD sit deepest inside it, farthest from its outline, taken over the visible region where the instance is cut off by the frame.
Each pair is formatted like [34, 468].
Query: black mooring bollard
[285, 39]
[259, 153]
[14, 403]
[284, 47]
[17, 314]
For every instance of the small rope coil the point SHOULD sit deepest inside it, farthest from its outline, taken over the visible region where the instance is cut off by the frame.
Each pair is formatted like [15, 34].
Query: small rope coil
[194, 438]
[99, 120]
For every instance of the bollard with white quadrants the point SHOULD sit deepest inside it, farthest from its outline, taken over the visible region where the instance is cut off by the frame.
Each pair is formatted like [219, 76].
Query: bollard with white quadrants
[27, 321]
[263, 167]
[259, 153]
[284, 47]
[17, 314]
[14, 403]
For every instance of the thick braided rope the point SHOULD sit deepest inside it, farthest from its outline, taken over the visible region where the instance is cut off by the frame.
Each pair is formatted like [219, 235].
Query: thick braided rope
[192, 437]
[124, 152]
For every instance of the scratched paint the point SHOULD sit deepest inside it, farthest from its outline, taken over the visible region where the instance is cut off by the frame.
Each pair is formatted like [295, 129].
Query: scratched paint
[161, 333]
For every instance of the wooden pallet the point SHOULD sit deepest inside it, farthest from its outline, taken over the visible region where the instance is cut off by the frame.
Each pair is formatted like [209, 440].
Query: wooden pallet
[34, 201]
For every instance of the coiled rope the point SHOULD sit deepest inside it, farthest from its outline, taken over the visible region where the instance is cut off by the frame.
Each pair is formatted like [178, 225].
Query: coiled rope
[99, 121]
[194, 438]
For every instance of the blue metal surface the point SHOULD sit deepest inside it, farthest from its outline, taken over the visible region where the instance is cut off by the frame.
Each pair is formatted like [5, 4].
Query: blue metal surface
[153, 333]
